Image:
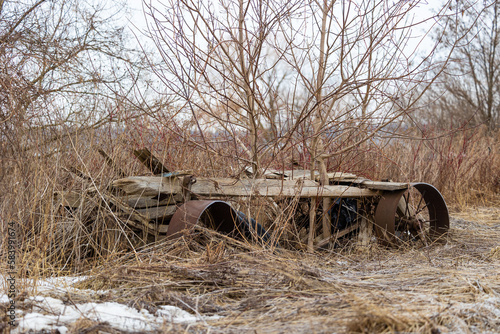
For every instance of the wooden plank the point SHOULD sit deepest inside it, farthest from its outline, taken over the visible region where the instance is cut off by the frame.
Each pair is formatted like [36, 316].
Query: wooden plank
[248, 187]
[158, 212]
[306, 174]
[160, 228]
[340, 176]
[150, 161]
[365, 234]
[111, 163]
[73, 199]
[154, 185]
[275, 188]
[149, 185]
[275, 174]
[312, 227]
[187, 182]
[375, 185]
[339, 234]
[379, 185]
[132, 215]
[149, 202]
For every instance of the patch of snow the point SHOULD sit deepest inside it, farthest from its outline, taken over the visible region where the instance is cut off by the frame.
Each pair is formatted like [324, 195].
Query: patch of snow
[52, 313]
[4, 298]
[38, 321]
[175, 314]
[49, 313]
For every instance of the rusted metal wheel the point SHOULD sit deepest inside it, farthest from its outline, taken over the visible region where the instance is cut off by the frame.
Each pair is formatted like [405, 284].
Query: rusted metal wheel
[417, 213]
[216, 215]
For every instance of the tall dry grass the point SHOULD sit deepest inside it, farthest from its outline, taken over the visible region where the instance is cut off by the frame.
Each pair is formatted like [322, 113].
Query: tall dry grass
[464, 166]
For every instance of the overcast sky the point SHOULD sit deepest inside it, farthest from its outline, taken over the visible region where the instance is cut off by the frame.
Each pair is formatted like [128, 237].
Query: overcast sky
[424, 10]
[419, 45]
[136, 15]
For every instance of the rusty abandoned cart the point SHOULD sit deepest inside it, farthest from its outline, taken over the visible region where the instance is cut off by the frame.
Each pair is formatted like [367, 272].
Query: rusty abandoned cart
[169, 204]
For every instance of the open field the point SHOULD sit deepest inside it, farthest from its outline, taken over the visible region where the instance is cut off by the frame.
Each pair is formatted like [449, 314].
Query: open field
[446, 288]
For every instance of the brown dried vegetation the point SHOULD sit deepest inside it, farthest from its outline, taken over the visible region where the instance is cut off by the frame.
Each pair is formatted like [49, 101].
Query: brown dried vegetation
[440, 288]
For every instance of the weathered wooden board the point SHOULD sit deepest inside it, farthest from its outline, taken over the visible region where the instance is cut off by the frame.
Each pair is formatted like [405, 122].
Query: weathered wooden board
[341, 177]
[306, 174]
[153, 229]
[140, 218]
[132, 215]
[70, 199]
[149, 185]
[149, 202]
[303, 188]
[158, 212]
[379, 185]
[275, 188]
[249, 187]
[323, 242]
[150, 161]
[112, 163]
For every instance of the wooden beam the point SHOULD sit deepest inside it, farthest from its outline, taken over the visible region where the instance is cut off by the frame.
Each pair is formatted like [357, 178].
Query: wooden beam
[380, 185]
[365, 234]
[154, 185]
[337, 235]
[111, 163]
[306, 174]
[275, 188]
[150, 161]
[149, 185]
[312, 225]
[327, 221]
[158, 212]
[133, 214]
[149, 202]
[150, 228]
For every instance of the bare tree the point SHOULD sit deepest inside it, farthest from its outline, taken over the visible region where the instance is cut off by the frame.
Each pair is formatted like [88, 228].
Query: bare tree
[63, 64]
[222, 65]
[336, 70]
[469, 89]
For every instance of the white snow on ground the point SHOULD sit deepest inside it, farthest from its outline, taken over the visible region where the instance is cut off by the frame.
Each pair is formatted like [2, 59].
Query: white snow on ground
[4, 299]
[52, 313]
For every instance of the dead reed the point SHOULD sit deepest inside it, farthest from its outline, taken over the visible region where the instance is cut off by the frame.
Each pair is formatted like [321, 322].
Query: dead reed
[433, 289]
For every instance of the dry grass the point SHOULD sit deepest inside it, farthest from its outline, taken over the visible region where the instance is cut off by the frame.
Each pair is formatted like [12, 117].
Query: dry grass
[442, 288]
[463, 165]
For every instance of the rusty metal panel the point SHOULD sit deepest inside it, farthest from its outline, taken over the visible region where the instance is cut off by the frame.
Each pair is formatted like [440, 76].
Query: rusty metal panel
[217, 215]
